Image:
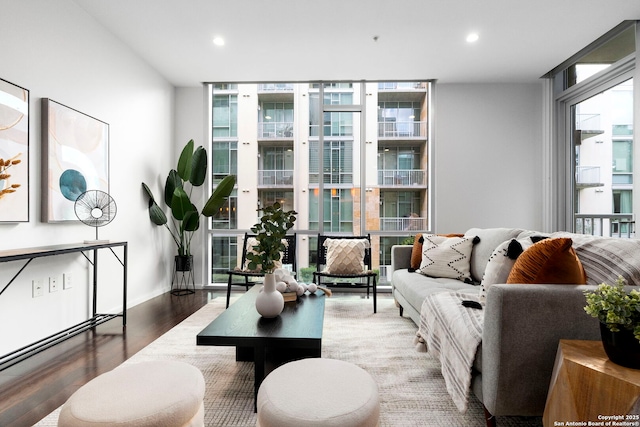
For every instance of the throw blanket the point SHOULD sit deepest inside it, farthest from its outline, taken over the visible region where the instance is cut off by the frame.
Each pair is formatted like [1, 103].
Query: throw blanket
[452, 333]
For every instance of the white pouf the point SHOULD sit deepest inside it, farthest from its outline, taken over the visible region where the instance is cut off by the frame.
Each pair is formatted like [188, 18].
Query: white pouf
[158, 393]
[318, 392]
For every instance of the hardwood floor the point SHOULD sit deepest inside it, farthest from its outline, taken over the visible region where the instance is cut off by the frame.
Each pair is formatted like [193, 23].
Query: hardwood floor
[33, 388]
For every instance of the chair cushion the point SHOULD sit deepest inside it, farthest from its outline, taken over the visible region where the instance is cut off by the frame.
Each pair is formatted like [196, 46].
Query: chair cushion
[345, 256]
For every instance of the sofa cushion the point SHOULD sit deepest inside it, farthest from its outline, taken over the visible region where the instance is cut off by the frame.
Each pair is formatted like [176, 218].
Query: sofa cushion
[446, 256]
[490, 238]
[606, 258]
[415, 287]
[550, 261]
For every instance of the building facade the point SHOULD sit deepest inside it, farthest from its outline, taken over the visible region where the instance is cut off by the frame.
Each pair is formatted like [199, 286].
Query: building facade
[350, 158]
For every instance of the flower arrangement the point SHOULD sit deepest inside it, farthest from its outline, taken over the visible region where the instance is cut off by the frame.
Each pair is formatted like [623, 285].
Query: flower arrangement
[612, 306]
[4, 175]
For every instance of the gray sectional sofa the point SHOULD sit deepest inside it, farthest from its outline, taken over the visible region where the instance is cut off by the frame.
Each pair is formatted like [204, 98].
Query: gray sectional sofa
[523, 323]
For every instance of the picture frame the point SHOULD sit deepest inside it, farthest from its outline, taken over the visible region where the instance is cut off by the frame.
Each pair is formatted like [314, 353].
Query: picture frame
[75, 158]
[14, 153]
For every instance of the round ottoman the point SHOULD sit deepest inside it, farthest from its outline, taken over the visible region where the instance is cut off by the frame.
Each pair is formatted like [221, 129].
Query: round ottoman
[318, 392]
[158, 393]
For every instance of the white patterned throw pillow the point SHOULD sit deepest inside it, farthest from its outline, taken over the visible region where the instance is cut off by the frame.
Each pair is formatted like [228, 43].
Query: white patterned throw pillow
[345, 256]
[446, 257]
[502, 260]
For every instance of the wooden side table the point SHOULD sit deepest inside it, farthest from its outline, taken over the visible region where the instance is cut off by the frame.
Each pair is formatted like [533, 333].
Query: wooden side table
[586, 386]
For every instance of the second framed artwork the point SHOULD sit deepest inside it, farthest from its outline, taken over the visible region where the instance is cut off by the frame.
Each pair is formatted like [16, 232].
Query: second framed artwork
[75, 158]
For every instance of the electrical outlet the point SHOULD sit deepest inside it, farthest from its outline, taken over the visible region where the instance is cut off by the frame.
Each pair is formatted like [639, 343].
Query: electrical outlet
[67, 281]
[36, 288]
[53, 284]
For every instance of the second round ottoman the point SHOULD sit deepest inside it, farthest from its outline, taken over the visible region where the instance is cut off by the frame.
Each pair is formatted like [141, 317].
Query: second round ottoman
[318, 392]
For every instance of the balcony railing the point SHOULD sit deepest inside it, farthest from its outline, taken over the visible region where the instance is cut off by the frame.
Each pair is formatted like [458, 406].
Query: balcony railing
[588, 121]
[275, 130]
[275, 178]
[332, 177]
[402, 129]
[401, 177]
[401, 85]
[403, 223]
[338, 129]
[588, 176]
[275, 87]
[607, 225]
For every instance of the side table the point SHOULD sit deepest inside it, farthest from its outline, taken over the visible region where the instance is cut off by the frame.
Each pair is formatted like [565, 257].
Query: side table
[587, 387]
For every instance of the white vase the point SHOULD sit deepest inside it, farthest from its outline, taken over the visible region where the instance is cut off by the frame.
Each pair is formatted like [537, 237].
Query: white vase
[269, 302]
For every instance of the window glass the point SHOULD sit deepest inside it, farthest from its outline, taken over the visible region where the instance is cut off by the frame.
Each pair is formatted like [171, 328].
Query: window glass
[268, 134]
[601, 57]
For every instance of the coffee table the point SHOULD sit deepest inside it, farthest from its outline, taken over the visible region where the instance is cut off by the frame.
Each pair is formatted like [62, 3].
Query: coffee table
[295, 334]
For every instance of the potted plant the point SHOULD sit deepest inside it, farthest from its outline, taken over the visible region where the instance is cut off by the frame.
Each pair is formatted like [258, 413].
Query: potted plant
[272, 228]
[619, 316]
[185, 216]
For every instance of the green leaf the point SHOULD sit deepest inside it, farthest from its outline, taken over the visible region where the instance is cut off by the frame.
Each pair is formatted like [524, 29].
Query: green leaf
[148, 191]
[198, 167]
[219, 196]
[180, 204]
[173, 181]
[156, 214]
[184, 162]
[191, 221]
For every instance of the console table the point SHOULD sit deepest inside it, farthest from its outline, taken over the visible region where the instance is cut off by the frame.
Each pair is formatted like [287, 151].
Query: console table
[29, 254]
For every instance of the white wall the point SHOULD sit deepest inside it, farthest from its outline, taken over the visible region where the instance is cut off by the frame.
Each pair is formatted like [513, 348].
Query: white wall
[57, 51]
[488, 156]
[190, 117]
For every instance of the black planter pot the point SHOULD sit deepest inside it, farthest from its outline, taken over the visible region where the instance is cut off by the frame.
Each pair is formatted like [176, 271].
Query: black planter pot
[183, 262]
[621, 347]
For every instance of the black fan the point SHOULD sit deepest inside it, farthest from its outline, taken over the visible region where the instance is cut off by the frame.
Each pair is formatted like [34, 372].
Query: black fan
[96, 209]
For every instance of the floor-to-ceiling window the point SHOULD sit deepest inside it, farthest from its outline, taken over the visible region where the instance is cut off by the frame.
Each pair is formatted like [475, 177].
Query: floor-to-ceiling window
[350, 157]
[594, 105]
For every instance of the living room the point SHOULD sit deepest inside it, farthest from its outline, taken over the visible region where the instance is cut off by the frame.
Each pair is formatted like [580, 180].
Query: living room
[491, 133]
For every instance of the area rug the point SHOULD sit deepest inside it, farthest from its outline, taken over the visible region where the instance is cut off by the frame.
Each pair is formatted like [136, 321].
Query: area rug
[412, 389]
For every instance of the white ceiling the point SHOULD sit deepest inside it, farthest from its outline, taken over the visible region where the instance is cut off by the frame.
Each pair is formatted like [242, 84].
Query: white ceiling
[298, 40]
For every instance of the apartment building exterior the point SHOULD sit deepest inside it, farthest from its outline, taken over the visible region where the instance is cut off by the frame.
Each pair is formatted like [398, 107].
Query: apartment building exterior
[350, 158]
[603, 139]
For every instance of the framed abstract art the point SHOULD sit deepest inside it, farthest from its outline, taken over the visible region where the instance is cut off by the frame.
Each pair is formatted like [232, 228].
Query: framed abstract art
[14, 153]
[75, 158]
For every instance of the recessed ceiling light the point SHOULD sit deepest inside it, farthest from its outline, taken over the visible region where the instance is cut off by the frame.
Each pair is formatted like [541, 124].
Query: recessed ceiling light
[218, 41]
[472, 37]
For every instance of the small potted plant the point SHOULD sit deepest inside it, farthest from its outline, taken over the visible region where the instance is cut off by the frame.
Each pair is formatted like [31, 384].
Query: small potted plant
[619, 316]
[272, 228]
[185, 216]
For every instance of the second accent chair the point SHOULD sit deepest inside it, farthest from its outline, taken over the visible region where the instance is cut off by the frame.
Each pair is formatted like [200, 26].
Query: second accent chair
[288, 258]
[345, 257]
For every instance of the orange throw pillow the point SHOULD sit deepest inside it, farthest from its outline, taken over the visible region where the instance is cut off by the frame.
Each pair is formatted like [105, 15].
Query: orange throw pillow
[548, 261]
[416, 253]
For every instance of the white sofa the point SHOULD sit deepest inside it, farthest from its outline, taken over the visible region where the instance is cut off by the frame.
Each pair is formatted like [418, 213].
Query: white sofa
[523, 323]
